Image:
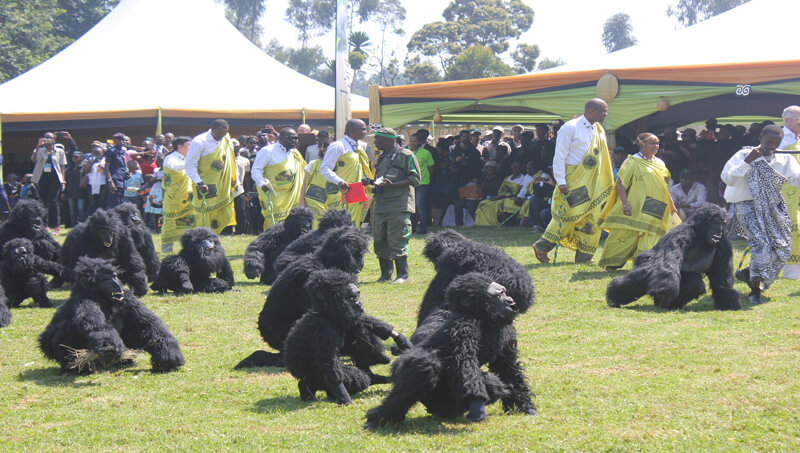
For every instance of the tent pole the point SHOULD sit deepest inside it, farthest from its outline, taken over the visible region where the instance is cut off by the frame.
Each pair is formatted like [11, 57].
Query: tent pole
[158, 123]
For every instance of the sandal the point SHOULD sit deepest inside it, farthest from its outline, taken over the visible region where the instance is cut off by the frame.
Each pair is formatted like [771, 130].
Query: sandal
[541, 255]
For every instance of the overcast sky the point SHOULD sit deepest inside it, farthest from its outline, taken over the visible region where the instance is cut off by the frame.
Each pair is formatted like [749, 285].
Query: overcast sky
[569, 29]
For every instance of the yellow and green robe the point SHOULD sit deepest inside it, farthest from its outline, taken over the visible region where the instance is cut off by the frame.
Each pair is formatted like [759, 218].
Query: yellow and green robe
[351, 167]
[177, 210]
[792, 196]
[647, 185]
[575, 215]
[316, 194]
[489, 211]
[218, 171]
[287, 179]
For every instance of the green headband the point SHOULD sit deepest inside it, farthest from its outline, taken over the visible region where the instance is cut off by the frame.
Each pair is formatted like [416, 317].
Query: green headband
[384, 134]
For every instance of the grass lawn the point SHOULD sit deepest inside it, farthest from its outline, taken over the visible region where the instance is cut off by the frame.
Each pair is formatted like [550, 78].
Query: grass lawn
[637, 378]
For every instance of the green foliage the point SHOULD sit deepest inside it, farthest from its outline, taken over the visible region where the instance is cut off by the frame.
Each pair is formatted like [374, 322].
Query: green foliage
[246, 15]
[309, 61]
[477, 62]
[524, 57]
[421, 71]
[617, 32]
[547, 63]
[310, 17]
[690, 12]
[81, 15]
[632, 379]
[356, 59]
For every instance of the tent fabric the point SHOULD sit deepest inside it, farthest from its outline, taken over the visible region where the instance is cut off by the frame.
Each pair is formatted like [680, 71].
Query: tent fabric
[640, 70]
[199, 66]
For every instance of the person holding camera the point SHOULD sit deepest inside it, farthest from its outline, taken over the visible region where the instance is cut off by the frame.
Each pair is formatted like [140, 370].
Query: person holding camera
[396, 175]
[48, 174]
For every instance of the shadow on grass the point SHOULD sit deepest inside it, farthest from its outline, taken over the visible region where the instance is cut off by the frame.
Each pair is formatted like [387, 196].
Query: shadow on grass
[538, 265]
[706, 303]
[52, 377]
[261, 370]
[430, 424]
[594, 275]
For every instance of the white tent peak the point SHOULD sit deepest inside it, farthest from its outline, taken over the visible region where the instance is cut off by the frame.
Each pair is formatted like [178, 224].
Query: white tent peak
[173, 54]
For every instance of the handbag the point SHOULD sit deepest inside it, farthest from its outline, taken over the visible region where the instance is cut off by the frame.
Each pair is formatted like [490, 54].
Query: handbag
[470, 192]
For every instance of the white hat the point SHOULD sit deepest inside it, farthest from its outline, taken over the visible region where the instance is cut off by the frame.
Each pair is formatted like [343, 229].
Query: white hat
[498, 128]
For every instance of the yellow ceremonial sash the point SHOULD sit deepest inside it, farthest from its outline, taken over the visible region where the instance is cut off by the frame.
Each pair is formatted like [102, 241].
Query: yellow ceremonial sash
[488, 210]
[792, 196]
[218, 171]
[177, 206]
[351, 167]
[647, 184]
[287, 180]
[316, 195]
[590, 183]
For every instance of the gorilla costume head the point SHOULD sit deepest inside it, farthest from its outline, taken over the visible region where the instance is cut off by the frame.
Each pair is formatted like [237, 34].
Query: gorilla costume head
[28, 216]
[708, 222]
[129, 214]
[335, 294]
[478, 296]
[334, 218]
[202, 249]
[98, 277]
[104, 229]
[18, 255]
[437, 244]
[299, 221]
[344, 248]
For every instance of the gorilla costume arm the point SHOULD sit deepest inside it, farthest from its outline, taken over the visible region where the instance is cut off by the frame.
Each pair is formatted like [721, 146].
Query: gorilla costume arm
[465, 336]
[144, 330]
[5, 313]
[101, 337]
[131, 262]
[507, 367]
[720, 278]
[254, 257]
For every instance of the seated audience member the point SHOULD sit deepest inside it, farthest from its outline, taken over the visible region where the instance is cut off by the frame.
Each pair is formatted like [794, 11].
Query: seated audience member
[688, 194]
[490, 180]
[490, 210]
[539, 214]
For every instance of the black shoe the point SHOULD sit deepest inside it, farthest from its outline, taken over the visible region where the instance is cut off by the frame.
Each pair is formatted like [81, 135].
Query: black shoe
[386, 270]
[401, 263]
[743, 275]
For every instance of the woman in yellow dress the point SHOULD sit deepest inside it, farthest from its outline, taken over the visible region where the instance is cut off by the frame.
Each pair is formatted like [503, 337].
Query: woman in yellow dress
[638, 213]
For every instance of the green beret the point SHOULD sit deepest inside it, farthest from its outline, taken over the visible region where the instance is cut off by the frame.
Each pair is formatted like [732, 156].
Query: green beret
[386, 132]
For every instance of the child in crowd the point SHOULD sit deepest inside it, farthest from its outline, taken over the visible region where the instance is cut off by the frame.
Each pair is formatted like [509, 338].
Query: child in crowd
[152, 209]
[133, 184]
[27, 188]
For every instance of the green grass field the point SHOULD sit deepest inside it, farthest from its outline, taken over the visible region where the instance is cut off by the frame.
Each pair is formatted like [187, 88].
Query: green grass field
[636, 378]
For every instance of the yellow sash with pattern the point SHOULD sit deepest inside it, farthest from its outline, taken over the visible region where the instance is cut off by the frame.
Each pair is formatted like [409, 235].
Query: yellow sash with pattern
[218, 171]
[351, 167]
[488, 210]
[287, 180]
[177, 205]
[792, 196]
[316, 196]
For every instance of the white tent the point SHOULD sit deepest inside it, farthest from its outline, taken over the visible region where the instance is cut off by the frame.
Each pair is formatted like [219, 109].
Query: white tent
[180, 57]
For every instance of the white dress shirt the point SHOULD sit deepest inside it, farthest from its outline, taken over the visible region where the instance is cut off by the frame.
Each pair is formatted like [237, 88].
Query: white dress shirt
[572, 143]
[268, 155]
[175, 161]
[735, 173]
[312, 153]
[789, 138]
[523, 191]
[242, 167]
[694, 198]
[332, 154]
[96, 176]
[202, 145]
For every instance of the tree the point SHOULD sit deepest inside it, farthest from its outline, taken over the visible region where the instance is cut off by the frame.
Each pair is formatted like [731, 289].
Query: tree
[246, 15]
[27, 35]
[618, 32]
[524, 57]
[308, 61]
[690, 12]
[419, 71]
[390, 15]
[310, 17]
[547, 63]
[490, 23]
[477, 62]
[80, 15]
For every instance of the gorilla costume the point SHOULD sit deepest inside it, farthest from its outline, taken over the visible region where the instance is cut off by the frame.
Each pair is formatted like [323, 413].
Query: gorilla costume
[259, 258]
[288, 300]
[671, 272]
[107, 319]
[444, 370]
[190, 270]
[131, 219]
[5, 313]
[23, 273]
[313, 345]
[27, 220]
[103, 235]
[310, 242]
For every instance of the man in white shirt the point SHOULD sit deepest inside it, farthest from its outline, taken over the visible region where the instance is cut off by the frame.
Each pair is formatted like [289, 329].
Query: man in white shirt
[242, 168]
[754, 177]
[582, 170]
[312, 152]
[688, 194]
[278, 173]
[791, 141]
[346, 162]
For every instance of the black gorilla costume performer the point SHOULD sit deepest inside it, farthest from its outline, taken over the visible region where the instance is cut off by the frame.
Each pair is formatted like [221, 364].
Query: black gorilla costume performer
[27, 220]
[288, 300]
[671, 272]
[444, 370]
[313, 345]
[102, 235]
[129, 215]
[23, 273]
[310, 242]
[106, 319]
[5, 313]
[259, 258]
[190, 270]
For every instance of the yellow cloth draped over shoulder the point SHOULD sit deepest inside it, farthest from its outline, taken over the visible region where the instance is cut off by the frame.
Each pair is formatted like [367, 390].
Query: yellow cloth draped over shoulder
[575, 214]
[488, 211]
[316, 194]
[177, 205]
[352, 167]
[647, 185]
[792, 196]
[218, 171]
[287, 180]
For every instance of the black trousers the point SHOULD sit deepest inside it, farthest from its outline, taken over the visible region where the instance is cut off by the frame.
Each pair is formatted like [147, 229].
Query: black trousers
[50, 194]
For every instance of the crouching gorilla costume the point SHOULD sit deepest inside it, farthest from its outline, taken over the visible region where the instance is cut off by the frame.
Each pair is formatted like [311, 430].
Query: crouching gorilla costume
[5, 313]
[23, 273]
[259, 258]
[288, 300]
[444, 370]
[314, 343]
[671, 272]
[310, 242]
[27, 220]
[103, 235]
[129, 215]
[103, 317]
[190, 270]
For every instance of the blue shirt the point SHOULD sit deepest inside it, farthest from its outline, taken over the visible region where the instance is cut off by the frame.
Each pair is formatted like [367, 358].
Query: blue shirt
[115, 162]
[133, 184]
